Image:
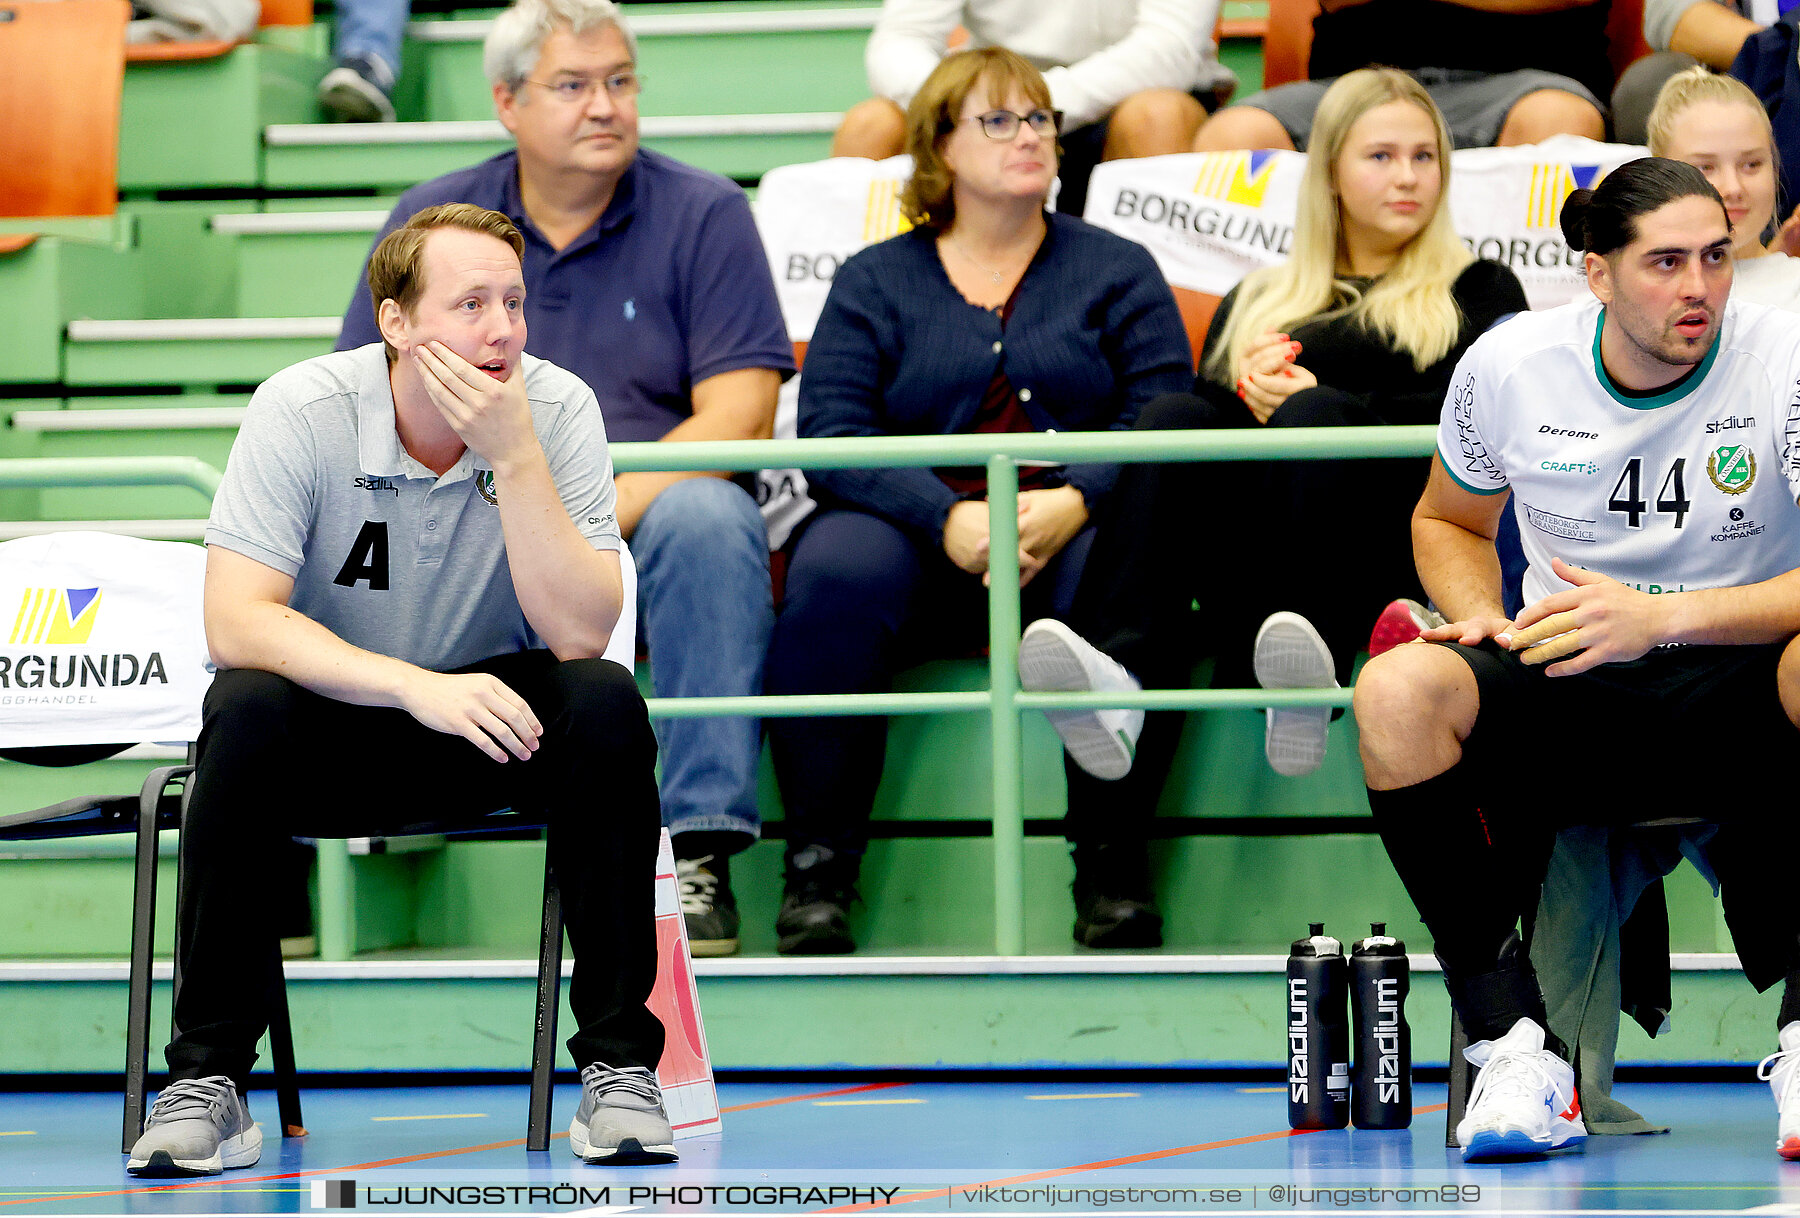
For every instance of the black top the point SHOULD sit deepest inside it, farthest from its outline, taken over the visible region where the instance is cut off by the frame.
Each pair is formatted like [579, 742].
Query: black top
[1344, 355]
[1439, 34]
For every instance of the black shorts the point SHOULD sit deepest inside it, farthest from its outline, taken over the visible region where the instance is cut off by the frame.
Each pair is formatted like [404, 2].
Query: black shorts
[1683, 732]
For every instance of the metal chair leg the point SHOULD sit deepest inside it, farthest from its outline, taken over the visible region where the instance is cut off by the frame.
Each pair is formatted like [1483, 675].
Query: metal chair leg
[549, 986]
[143, 938]
[281, 1055]
[1459, 1080]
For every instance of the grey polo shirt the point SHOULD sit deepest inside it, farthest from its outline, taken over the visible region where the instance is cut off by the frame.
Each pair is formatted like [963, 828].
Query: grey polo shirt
[384, 553]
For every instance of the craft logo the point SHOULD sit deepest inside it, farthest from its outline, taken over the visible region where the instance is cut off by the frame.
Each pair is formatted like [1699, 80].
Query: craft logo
[484, 486]
[1550, 186]
[1235, 177]
[1732, 468]
[56, 615]
[334, 1194]
[881, 216]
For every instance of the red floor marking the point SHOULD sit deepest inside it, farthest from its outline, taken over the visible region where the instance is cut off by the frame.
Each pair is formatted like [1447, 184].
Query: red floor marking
[817, 1095]
[434, 1154]
[1066, 1171]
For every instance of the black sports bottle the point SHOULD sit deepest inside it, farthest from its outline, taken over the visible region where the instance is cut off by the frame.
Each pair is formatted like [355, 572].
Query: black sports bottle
[1318, 1033]
[1381, 1097]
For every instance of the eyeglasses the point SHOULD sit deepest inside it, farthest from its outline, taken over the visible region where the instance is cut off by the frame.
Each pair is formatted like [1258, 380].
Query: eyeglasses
[620, 86]
[1004, 124]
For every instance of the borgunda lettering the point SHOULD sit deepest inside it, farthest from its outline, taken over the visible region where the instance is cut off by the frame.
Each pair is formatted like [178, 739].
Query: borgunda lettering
[81, 670]
[1235, 228]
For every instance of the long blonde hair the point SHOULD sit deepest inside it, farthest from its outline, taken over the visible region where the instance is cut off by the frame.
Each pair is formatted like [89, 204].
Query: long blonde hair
[1687, 88]
[1410, 304]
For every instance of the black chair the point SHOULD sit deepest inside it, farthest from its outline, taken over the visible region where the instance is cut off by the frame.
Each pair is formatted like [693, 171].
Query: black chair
[65, 581]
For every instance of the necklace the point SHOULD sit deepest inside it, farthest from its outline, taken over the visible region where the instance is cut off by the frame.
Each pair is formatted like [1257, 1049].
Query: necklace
[992, 274]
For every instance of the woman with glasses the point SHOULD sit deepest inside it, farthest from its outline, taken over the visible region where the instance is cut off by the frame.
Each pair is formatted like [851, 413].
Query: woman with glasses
[1362, 326]
[990, 316]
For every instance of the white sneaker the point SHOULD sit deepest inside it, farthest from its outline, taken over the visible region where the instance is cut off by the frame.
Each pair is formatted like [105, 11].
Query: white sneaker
[1054, 659]
[197, 1127]
[1524, 1101]
[1291, 655]
[1784, 1080]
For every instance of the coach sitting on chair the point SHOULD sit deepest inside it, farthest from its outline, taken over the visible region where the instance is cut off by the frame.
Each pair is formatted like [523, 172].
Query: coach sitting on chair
[412, 573]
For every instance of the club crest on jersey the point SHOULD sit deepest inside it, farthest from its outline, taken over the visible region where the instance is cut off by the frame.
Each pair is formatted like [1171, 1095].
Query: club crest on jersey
[1732, 468]
[484, 486]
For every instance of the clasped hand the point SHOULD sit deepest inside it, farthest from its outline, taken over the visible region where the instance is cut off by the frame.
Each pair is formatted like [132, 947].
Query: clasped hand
[1597, 621]
[1268, 375]
[1048, 519]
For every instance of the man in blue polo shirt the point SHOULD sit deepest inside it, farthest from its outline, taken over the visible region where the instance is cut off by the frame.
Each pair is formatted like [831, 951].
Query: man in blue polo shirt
[647, 280]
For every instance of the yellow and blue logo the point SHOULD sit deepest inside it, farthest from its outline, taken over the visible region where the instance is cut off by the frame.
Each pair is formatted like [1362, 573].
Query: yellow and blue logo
[1550, 186]
[1235, 177]
[881, 216]
[56, 615]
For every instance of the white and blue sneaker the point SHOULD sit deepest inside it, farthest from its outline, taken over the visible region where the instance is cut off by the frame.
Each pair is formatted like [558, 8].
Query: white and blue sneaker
[1054, 659]
[1780, 1072]
[1524, 1102]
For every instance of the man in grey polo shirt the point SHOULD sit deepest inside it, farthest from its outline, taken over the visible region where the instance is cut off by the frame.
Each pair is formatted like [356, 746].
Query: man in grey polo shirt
[412, 574]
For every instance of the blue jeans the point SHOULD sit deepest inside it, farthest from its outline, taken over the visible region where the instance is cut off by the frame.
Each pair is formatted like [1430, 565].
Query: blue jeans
[705, 611]
[371, 27]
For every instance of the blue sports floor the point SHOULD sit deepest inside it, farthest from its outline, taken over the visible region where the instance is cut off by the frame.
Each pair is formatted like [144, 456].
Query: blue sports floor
[1042, 1146]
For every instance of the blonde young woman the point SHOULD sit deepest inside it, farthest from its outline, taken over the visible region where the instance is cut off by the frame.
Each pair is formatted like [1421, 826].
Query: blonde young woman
[1361, 326]
[991, 315]
[1716, 124]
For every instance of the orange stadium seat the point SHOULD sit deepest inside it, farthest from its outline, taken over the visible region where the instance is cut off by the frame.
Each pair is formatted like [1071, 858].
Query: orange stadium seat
[62, 70]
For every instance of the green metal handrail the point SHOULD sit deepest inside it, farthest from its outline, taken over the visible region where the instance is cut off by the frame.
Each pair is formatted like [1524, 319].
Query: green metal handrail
[22, 472]
[1002, 701]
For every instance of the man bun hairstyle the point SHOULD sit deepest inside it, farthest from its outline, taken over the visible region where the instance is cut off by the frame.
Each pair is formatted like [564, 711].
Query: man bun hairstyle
[1604, 220]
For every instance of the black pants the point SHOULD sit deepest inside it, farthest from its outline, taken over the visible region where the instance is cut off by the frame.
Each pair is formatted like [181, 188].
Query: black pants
[276, 760]
[1682, 732]
[863, 599]
[1330, 540]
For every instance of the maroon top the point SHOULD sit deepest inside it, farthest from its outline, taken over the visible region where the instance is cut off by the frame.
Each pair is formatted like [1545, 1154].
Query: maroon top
[1000, 412]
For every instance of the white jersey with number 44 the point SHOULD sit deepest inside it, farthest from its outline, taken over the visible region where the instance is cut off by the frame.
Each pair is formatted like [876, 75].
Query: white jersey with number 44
[1692, 487]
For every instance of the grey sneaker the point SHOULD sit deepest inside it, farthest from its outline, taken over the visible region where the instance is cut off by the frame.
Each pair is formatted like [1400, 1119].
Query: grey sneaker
[707, 906]
[621, 1119]
[1054, 659]
[197, 1127]
[358, 90]
[1291, 655]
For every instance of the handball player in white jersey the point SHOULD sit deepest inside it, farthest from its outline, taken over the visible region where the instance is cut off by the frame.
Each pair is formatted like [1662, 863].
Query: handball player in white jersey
[1642, 438]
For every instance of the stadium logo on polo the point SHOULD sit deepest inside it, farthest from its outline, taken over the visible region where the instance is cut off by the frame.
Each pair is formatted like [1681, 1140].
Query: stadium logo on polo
[1236, 177]
[881, 214]
[56, 615]
[1551, 185]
